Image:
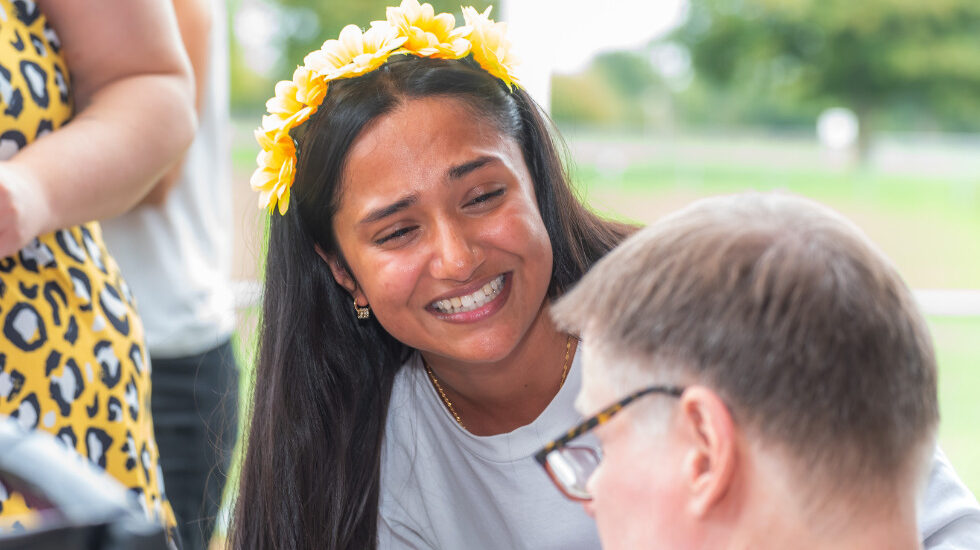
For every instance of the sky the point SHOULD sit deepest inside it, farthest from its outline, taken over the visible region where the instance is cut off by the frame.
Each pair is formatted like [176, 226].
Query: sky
[572, 32]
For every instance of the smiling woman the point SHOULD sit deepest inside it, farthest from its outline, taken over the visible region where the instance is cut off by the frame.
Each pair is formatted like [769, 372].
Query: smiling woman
[436, 205]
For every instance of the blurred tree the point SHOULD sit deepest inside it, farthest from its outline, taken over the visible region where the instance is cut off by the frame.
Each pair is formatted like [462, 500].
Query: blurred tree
[619, 89]
[629, 73]
[865, 55]
[584, 100]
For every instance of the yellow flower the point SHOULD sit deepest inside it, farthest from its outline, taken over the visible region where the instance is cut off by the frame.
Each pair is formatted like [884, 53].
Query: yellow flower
[285, 109]
[412, 28]
[276, 167]
[284, 102]
[310, 87]
[355, 53]
[491, 48]
[427, 34]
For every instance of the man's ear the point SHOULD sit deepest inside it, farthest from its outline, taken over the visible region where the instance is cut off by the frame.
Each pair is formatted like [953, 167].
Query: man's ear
[711, 459]
[339, 271]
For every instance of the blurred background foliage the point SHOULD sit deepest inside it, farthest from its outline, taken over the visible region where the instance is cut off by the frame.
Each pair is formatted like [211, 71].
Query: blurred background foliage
[898, 64]
[895, 63]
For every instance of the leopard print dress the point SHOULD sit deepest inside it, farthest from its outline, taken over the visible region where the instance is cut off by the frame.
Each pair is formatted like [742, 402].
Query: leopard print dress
[72, 358]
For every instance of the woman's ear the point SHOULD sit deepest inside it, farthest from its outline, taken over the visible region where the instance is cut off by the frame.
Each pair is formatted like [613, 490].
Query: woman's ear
[339, 271]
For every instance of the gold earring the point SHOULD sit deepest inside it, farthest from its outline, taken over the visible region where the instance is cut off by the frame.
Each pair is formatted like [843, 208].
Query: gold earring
[362, 312]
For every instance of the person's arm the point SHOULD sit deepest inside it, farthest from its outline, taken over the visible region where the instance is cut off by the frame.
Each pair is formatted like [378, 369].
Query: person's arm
[194, 17]
[949, 518]
[134, 104]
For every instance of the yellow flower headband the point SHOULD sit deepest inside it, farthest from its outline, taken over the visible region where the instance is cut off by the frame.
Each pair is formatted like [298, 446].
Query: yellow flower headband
[411, 28]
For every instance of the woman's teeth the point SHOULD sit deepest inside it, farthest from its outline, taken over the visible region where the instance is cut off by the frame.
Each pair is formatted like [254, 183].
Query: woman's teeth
[462, 304]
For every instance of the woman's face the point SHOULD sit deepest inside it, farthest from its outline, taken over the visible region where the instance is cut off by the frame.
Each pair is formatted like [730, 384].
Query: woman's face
[440, 228]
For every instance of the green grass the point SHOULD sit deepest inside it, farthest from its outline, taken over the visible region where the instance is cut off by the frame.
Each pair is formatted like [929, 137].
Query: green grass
[957, 343]
[930, 227]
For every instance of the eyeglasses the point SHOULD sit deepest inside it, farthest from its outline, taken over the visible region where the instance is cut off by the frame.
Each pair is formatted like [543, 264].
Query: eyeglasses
[571, 466]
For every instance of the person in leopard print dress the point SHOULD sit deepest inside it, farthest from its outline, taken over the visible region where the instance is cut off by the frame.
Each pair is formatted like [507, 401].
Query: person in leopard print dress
[80, 86]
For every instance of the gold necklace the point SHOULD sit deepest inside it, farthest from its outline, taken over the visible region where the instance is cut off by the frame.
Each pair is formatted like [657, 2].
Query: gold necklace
[449, 404]
[442, 394]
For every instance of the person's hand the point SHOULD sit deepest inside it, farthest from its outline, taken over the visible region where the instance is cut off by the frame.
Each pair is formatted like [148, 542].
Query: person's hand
[23, 208]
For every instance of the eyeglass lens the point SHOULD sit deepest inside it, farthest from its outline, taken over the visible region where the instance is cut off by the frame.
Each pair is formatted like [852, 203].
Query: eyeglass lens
[572, 467]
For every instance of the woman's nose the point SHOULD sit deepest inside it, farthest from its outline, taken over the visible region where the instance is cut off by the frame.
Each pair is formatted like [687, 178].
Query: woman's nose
[456, 256]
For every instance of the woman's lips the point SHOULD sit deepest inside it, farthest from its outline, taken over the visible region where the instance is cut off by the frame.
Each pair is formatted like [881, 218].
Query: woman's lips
[478, 304]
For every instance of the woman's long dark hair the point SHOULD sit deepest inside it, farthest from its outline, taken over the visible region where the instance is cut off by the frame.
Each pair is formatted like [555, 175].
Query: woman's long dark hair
[311, 471]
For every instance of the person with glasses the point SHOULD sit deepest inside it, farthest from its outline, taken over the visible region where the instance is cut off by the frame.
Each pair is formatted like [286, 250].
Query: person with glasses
[758, 376]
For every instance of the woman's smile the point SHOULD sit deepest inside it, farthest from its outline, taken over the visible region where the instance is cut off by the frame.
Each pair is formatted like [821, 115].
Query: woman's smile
[468, 306]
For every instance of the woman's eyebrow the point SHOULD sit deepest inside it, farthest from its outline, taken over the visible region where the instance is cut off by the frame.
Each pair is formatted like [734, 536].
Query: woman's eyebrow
[385, 211]
[457, 172]
[454, 173]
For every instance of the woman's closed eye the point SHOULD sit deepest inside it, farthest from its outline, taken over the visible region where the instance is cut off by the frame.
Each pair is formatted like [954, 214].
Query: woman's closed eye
[396, 235]
[486, 198]
[478, 203]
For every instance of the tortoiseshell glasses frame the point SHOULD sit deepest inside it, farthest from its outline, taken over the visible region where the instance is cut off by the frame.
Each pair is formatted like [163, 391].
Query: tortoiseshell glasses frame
[570, 467]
